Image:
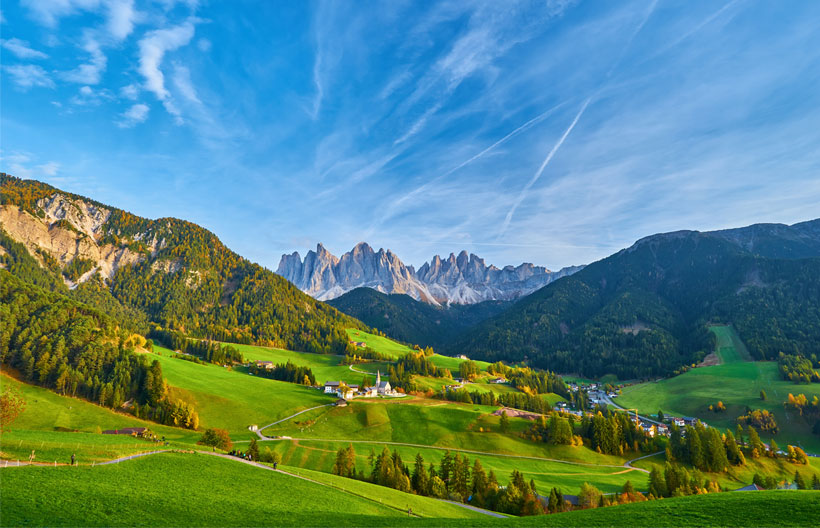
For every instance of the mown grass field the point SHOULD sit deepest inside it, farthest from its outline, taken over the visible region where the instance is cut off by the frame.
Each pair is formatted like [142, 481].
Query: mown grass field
[56, 426]
[320, 456]
[178, 490]
[234, 400]
[383, 345]
[737, 383]
[199, 490]
[421, 506]
[324, 367]
[759, 508]
[428, 423]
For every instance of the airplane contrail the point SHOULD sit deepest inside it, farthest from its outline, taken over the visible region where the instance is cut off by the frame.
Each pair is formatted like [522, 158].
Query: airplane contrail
[543, 166]
[418, 190]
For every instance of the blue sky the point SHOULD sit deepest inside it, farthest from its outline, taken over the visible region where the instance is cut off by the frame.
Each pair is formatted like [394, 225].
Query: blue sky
[553, 132]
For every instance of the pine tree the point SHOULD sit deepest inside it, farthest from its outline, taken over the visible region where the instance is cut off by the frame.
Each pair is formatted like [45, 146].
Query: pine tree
[504, 423]
[253, 450]
[420, 480]
[815, 482]
[446, 467]
[800, 481]
[657, 484]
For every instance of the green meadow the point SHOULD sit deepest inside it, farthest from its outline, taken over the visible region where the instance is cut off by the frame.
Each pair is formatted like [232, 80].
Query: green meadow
[737, 383]
[200, 490]
[232, 399]
[320, 455]
[182, 490]
[325, 367]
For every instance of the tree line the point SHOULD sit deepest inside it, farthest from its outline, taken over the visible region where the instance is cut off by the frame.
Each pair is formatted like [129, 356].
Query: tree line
[289, 372]
[75, 350]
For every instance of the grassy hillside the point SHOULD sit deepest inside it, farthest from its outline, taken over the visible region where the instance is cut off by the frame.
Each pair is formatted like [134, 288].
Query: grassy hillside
[737, 385]
[220, 492]
[760, 508]
[183, 490]
[56, 426]
[320, 455]
[234, 400]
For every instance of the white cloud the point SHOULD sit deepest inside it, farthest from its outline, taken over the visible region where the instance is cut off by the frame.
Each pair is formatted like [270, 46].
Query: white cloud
[28, 76]
[49, 12]
[133, 116]
[153, 48]
[90, 72]
[131, 92]
[121, 18]
[182, 82]
[120, 14]
[49, 169]
[204, 45]
[22, 49]
[18, 164]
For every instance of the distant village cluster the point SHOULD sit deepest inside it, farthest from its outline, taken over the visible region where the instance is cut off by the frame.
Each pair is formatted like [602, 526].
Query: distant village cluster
[348, 392]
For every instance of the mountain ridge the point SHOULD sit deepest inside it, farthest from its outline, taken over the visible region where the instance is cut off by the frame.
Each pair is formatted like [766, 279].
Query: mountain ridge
[458, 279]
[643, 311]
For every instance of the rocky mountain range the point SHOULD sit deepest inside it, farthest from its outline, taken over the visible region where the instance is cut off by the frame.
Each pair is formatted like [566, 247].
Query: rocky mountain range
[458, 279]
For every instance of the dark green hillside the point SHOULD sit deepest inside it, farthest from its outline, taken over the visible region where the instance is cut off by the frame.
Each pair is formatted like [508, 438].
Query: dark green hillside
[643, 311]
[406, 319]
[190, 282]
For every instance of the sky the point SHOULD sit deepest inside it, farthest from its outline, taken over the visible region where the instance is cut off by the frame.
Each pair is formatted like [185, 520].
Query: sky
[555, 131]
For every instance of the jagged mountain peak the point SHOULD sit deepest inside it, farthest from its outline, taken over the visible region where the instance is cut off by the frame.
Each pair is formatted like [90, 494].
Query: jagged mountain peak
[461, 278]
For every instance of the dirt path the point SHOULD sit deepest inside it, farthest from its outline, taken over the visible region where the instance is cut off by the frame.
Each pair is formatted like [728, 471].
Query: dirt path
[263, 437]
[628, 463]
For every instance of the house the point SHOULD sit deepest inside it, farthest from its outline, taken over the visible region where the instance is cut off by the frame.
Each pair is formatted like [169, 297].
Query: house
[648, 429]
[265, 365]
[347, 392]
[133, 431]
[690, 421]
[331, 387]
[370, 392]
[341, 402]
[359, 344]
[679, 422]
[662, 429]
[750, 487]
[498, 380]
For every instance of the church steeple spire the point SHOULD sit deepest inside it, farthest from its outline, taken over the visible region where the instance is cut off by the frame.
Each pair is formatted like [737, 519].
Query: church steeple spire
[378, 377]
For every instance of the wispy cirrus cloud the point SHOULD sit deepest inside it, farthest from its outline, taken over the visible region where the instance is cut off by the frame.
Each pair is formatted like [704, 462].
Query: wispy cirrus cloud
[153, 47]
[135, 115]
[91, 71]
[22, 49]
[27, 76]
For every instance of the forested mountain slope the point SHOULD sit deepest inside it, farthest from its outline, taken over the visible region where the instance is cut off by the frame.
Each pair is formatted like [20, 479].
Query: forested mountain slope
[643, 311]
[167, 271]
[406, 319]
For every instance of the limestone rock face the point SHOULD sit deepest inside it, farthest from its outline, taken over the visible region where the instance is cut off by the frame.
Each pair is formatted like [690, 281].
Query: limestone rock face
[461, 279]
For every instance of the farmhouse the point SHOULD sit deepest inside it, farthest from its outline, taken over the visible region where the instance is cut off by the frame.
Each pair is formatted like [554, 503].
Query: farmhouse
[331, 387]
[265, 365]
[498, 380]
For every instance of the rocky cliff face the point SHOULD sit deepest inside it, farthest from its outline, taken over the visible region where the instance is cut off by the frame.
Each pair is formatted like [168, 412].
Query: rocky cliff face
[68, 229]
[462, 279]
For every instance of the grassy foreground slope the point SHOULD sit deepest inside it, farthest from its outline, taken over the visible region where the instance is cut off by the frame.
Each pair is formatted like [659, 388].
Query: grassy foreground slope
[199, 490]
[759, 508]
[182, 490]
